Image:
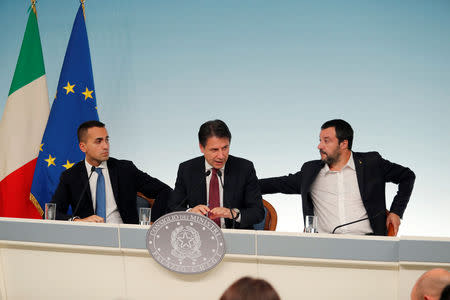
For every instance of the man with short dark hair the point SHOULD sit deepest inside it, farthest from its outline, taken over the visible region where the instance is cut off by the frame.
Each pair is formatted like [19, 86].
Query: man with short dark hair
[103, 189]
[217, 184]
[430, 285]
[345, 186]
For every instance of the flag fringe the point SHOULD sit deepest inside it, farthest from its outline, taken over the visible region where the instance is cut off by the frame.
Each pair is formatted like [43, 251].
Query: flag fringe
[36, 204]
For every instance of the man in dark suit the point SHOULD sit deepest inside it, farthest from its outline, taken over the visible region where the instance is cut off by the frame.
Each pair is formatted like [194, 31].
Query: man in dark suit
[103, 189]
[217, 184]
[346, 186]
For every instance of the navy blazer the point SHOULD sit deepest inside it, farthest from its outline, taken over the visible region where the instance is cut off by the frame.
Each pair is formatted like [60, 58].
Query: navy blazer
[241, 189]
[372, 172]
[126, 181]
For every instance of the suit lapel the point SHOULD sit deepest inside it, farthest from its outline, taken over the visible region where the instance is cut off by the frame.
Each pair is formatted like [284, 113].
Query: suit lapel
[359, 167]
[114, 177]
[229, 182]
[85, 183]
[312, 176]
[199, 195]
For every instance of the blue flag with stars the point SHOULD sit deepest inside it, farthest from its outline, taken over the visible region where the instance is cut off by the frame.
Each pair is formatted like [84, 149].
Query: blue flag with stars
[74, 103]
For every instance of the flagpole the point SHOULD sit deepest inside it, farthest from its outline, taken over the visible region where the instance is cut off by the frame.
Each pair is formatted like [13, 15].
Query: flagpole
[82, 5]
[33, 6]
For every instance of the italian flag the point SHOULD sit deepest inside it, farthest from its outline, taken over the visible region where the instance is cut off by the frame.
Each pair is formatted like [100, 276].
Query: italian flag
[22, 126]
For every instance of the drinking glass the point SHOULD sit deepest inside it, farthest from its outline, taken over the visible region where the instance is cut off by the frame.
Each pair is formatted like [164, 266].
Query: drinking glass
[144, 215]
[50, 211]
[311, 224]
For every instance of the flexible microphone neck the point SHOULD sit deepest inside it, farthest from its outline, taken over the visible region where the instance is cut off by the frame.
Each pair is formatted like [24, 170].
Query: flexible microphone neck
[219, 173]
[357, 221]
[74, 213]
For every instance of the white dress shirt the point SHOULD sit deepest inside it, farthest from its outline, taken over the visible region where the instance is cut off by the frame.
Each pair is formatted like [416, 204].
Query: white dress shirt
[112, 213]
[337, 200]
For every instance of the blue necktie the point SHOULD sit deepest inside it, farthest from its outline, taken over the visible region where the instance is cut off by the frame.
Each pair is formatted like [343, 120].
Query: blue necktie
[100, 195]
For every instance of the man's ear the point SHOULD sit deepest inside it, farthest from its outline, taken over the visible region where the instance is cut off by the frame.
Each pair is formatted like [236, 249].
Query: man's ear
[82, 147]
[199, 144]
[343, 145]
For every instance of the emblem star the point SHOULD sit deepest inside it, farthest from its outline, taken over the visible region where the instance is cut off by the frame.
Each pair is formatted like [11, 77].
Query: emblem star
[40, 147]
[69, 88]
[185, 240]
[50, 160]
[87, 94]
[68, 165]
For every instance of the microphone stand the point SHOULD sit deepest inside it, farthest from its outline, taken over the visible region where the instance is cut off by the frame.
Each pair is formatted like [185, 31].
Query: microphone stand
[82, 193]
[353, 222]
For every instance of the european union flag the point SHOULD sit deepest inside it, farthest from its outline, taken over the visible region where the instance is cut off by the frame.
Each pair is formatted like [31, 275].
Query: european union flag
[74, 103]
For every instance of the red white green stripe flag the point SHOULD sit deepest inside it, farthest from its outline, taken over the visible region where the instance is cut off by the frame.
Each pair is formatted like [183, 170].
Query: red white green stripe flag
[22, 126]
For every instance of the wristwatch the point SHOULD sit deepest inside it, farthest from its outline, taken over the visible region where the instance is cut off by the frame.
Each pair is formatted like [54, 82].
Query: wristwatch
[236, 214]
[74, 218]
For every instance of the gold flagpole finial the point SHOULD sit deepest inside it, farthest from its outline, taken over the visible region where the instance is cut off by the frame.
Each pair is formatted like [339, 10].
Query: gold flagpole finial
[33, 6]
[82, 5]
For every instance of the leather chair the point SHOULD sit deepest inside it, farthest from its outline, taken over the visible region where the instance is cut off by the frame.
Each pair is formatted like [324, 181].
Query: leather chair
[390, 228]
[270, 218]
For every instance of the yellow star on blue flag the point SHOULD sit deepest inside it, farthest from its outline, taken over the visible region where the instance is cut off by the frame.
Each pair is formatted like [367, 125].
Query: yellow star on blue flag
[50, 160]
[69, 88]
[87, 94]
[68, 165]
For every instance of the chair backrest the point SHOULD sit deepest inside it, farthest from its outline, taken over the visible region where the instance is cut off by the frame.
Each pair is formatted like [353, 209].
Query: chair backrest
[390, 228]
[270, 218]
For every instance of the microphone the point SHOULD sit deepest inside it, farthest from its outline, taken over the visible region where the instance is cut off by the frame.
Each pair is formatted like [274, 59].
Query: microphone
[83, 191]
[196, 188]
[357, 221]
[219, 173]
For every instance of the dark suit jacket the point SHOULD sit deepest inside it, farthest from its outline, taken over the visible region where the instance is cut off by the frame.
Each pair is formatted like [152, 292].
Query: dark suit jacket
[240, 190]
[126, 181]
[372, 172]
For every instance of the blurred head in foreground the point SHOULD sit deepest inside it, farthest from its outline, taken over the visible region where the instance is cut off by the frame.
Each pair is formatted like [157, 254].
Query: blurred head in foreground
[248, 288]
[430, 285]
